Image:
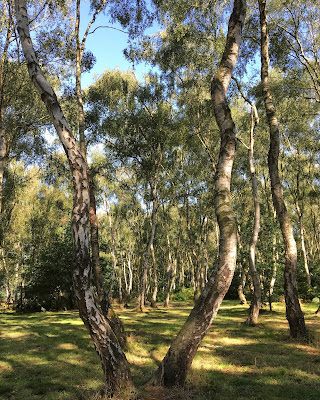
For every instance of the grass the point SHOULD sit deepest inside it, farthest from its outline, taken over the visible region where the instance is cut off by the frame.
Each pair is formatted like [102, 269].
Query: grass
[50, 356]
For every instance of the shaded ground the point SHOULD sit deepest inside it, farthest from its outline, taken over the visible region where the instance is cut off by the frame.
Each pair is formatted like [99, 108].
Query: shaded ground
[50, 356]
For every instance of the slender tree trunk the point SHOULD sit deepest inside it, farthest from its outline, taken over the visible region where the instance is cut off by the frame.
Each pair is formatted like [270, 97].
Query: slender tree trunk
[303, 246]
[256, 297]
[6, 278]
[242, 284]
[172, 273]
[155, 279]
[242, 273]
[175, 366]
[293, 310]
[144, 276]
[272, 282]
[113, 360]
[3, 155]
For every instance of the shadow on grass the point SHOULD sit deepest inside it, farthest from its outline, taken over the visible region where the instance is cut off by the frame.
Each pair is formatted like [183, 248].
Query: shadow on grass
[47, 356]
[51, 356]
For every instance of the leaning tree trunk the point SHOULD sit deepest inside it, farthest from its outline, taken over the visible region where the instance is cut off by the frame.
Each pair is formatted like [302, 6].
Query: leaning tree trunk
[103, 297]
[293, 310]
[113, 360]
[174, 367]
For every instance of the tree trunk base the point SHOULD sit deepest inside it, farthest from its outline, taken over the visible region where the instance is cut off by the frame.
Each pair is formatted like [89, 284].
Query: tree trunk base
[153, 304]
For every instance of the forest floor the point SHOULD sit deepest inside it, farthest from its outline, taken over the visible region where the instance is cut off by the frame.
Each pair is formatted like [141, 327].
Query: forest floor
[50, 356]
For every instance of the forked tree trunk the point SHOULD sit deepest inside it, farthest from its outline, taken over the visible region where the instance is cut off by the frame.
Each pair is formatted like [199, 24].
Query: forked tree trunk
[176, 364]
[293, 310]
[113, 360]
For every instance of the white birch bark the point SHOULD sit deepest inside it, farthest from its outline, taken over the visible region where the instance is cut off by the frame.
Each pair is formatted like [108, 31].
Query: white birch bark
[113, 360]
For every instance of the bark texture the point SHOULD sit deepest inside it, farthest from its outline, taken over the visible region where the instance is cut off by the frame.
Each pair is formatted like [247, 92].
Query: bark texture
[174, 367]
[113, 360]
[294, 314]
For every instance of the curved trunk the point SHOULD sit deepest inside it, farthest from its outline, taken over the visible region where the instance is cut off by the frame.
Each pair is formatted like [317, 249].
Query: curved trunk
[113, 360]
[176, 364]
[293, 310]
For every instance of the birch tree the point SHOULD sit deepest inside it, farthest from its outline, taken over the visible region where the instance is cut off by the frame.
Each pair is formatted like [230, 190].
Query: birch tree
[293, 310]
[174, 367]
[113, 360]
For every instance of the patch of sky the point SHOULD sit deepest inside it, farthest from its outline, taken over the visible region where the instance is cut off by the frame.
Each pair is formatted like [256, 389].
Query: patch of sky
[107, 43]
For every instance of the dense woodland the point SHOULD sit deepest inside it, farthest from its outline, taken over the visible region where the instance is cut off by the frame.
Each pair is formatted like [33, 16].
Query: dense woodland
[200, 182]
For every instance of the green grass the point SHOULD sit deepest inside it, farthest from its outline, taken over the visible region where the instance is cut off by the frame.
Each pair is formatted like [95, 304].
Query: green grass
[50, 356]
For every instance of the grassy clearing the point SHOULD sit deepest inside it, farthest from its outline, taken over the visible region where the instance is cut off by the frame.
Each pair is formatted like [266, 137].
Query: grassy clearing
[50, 356]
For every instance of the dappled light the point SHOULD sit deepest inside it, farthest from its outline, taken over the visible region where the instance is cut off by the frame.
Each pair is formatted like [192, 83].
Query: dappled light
[53, 357]
[159, 214]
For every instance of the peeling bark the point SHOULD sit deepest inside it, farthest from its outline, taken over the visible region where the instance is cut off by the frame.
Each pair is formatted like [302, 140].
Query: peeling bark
[176, 364]
[294, 314]
[113, 360]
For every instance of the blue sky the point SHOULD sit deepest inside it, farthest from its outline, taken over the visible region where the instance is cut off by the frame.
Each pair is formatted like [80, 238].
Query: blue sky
[107, 46]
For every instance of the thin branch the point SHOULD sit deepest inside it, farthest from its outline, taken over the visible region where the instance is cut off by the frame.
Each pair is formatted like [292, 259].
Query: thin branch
[95, 14]
[239, 140]
[108, 27]
[201, 138]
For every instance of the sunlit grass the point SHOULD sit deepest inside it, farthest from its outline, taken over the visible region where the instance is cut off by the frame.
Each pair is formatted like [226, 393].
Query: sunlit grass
[50, 356]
